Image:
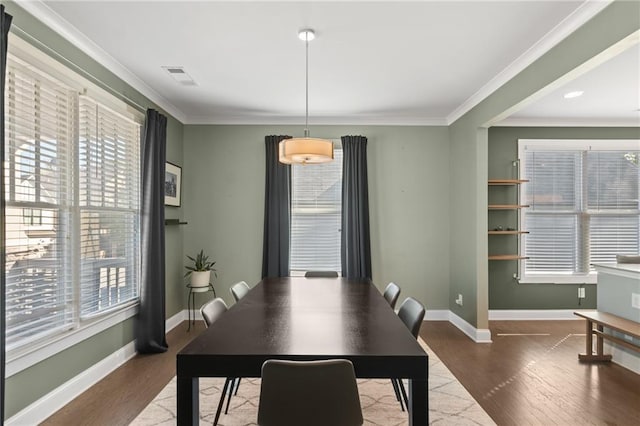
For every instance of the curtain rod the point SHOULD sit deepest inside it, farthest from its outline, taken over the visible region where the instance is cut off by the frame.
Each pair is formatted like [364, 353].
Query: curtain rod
[80, 70]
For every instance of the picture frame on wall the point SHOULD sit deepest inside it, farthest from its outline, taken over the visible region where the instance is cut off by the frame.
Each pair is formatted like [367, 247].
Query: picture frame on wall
[172, 185]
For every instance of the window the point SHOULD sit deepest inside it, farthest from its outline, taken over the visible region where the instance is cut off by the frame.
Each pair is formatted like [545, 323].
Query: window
[584, 207]
[316, 206]
[72, 181]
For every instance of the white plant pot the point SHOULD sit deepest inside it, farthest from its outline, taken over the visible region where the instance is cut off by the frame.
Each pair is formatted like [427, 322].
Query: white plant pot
[200, 278]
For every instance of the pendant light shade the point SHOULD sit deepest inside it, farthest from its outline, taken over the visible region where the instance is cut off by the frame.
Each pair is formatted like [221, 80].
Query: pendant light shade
[305, 150]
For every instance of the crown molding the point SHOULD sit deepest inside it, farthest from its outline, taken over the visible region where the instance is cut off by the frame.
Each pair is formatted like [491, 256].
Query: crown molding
[317, 121]
[51, 19]
[568, 122]
[579, 17]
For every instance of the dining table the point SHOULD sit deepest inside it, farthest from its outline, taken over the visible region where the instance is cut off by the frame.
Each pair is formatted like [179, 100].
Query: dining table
[304, 319]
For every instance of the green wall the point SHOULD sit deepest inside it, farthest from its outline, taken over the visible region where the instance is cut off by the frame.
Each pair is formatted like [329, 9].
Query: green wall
[408, 193]
[504, 291]
[34, 382]
[469, 149]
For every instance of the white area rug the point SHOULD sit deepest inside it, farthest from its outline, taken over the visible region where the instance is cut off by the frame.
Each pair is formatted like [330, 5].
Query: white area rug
[449, 402]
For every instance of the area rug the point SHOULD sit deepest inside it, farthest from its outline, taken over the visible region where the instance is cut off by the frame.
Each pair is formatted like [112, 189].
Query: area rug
[449, 402]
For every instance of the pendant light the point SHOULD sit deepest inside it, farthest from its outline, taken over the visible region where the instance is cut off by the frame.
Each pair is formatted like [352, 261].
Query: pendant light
[305, 150]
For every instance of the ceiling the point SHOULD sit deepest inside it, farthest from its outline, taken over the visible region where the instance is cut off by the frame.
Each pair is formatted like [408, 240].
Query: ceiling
[418, 62]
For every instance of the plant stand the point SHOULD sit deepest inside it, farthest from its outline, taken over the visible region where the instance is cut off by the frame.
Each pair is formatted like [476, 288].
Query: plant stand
[191, 300]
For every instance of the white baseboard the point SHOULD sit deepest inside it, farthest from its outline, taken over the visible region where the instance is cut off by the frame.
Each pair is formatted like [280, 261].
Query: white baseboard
[437, 315]
[532, 314]
[623, 357]
[44, 407]
[39, 410]
[478, 335]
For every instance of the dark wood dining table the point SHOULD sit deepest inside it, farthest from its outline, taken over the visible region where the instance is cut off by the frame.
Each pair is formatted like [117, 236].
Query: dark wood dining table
[303, 319]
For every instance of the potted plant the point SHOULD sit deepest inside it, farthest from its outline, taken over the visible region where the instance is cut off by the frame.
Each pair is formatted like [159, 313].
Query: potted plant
[200, 271]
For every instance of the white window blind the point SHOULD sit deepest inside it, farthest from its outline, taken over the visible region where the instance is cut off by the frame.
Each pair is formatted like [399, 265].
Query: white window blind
[72, 191]
[316, 207]
[584, 207]
[109, 204]
[38, 135]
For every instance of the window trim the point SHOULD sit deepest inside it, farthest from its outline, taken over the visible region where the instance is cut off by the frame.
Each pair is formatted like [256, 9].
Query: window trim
[562, 145]
[27, 355]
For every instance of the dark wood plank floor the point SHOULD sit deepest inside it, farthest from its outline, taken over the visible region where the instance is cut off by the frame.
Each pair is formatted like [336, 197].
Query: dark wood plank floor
[122, 395]
[519, 380]
[530, 374]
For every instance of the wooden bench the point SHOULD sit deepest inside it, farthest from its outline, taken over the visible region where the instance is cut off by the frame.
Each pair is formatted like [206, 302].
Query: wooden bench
[613, 322]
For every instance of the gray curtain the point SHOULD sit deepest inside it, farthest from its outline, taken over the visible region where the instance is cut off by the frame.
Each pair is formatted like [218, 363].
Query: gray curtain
[5, 24]
[150, 324]
[355, 238]
[277, 212]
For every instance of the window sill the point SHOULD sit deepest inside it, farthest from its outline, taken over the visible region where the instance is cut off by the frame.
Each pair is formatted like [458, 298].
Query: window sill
[23, 358]
[555, 279]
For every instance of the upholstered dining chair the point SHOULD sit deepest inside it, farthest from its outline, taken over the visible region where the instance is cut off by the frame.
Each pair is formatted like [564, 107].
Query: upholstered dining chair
[321, 274]
[310, 393]
[211, 311]
[391, 294]
[411, 313]
[239, 290]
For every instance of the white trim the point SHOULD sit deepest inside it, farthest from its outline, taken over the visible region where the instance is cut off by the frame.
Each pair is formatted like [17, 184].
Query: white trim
[18, 361]
[568, 122]
[579, 17]
[623, 356]
[39, 410]
[219, 119]
[437, 315]
[58, 24]
[478, 335]
[533, 314]
[175, 320]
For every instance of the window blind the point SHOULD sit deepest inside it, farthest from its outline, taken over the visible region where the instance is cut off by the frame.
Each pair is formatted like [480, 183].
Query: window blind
[583, 207]
[38, 133]
[109, 204]
[316, 207]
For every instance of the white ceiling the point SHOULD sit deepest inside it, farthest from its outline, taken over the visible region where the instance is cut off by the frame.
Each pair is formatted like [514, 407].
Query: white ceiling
[419, 62]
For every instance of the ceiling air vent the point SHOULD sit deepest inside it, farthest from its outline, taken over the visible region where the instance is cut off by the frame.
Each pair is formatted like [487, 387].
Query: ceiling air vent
[180, 75]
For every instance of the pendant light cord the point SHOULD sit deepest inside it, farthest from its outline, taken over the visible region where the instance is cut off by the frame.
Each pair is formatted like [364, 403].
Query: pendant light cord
[306, 114]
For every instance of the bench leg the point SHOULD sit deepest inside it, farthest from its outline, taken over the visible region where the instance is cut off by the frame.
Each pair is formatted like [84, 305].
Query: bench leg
[588, 356]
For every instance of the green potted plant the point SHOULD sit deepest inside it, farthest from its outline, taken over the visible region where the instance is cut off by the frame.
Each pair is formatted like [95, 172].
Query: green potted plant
[200, 270]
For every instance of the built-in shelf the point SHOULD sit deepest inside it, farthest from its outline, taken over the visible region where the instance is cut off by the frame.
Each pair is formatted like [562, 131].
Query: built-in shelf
[506, 257]
[493, 182]
[507, 232]
[507, 206]
[174, 222]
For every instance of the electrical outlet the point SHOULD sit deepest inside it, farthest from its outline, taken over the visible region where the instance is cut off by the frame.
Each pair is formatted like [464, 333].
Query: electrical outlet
[635, 300]
[459, 300]
[581, 293]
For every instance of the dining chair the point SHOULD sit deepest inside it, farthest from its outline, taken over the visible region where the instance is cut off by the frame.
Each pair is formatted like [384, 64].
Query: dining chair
[321, 274]
[310, 393]
[391, 294]
[211, 311]
[239, 290]
[411, 313]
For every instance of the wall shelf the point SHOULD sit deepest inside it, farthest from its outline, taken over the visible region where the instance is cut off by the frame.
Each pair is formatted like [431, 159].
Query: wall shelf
[507, 206]
[506, 182]
[506, 257]
[507, 232]
[174, 222]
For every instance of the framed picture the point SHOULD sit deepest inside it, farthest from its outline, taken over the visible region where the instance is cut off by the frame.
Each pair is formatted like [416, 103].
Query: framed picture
[172, 185]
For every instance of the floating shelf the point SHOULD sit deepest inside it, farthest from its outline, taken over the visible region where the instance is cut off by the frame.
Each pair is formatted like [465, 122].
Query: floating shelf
[507, 232]
[174, 222]
[507, 181]
[507, 206]
[507, 257]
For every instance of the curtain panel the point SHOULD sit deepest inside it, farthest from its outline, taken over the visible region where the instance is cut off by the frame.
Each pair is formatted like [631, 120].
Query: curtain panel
[5, 24]
[277, 212]
[355, 239]
[150, 324]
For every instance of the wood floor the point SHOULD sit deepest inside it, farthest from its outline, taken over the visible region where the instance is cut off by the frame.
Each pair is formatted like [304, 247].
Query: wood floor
[530, 374]
[529, 379]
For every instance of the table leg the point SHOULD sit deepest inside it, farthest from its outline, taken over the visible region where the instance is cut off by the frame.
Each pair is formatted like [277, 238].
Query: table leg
[187, 400]
[600, 340]
[589, 338]
[418, 403]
